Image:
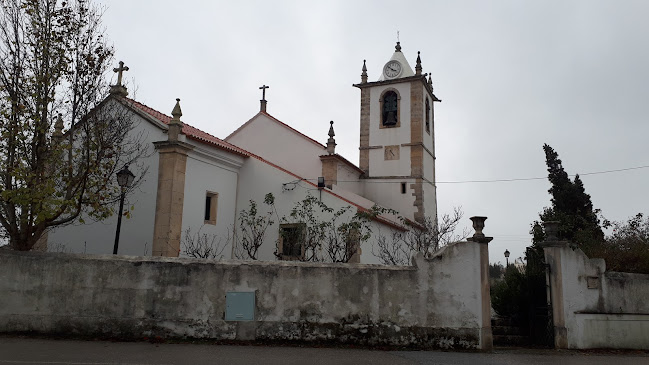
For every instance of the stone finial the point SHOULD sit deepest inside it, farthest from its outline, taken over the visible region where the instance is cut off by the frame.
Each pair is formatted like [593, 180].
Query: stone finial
[331, 142]
[430, 82]
[119, 89]
[418, 66]
[397, 48]
[364, 74]
[58, 128]
[478, 225]
[175, 125]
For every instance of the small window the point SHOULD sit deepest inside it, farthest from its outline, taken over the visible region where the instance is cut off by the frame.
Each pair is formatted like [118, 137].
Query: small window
[211, 203]
[291, 241]
[427, 115]
[403, 188]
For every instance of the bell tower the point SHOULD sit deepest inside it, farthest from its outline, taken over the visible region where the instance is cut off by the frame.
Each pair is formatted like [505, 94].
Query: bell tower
[397, 138]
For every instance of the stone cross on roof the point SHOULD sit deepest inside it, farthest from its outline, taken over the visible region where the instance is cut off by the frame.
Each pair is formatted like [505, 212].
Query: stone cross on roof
[119, 89]
[119, 71]
[263, 97]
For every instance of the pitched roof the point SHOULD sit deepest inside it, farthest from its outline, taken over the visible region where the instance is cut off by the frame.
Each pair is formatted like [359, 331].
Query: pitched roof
[278, 122]
[200, 136]
[190, 131]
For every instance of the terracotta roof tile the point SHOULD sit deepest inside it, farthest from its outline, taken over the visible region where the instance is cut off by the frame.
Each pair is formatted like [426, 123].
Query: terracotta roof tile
[190, 131]
[198, 135]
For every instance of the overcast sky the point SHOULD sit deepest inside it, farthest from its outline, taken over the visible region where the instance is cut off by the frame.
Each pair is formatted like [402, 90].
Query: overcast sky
[512, 75]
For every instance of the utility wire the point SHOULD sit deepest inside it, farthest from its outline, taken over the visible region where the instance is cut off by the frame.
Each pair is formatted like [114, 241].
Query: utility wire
[498, 180]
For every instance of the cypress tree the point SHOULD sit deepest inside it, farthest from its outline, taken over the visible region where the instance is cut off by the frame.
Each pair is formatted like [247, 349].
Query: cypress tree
[571, 206]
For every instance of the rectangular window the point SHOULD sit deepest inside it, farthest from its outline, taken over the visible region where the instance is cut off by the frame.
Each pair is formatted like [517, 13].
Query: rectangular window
[211, 203]
[291, 241]
[403, 188]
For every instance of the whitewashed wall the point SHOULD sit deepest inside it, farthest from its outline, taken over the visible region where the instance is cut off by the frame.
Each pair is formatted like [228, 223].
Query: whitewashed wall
[216, 171]
[437, 303]
[390, 136]
[348, 179]
[599, 309]
[387, 193]
[137, 231]
[281, 146]
[257, 178]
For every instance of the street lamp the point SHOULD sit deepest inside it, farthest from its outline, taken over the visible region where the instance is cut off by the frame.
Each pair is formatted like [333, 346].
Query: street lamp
[124, 179]
[507, 257]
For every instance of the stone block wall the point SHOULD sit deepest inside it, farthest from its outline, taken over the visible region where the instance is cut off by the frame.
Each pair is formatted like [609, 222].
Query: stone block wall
[436, 303]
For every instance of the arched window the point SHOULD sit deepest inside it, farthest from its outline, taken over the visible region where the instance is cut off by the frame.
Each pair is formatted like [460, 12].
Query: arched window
[427, 115]
[390, 112]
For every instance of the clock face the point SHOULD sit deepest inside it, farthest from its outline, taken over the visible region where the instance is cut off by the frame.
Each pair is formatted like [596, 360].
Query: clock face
[392, 69]
[392, 152]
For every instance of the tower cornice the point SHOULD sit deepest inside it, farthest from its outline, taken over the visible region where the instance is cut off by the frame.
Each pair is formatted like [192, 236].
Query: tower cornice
[421, 78]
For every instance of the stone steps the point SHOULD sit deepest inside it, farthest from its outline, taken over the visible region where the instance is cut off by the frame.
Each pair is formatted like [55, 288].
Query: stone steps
[511, 340]
[507, 332]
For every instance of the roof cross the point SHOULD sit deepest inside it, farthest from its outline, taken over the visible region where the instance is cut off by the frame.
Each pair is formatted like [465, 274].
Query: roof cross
[263, 91]
[119, 71]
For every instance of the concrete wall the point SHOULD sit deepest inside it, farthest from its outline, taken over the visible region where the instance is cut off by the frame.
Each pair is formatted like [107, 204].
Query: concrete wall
[593, 308]
[438, 303]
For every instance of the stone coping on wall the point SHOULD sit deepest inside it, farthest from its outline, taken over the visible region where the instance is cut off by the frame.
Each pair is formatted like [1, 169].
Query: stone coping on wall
[436, 303]
[189, 260]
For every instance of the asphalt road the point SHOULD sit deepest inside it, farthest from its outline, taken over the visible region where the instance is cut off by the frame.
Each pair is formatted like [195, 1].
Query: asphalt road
[67, 352]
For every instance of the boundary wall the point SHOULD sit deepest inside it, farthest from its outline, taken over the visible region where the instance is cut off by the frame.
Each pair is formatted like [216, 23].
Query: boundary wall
[439, 302]
[593, 308]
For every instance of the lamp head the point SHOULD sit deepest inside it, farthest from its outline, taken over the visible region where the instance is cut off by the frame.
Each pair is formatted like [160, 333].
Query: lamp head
[125, 177]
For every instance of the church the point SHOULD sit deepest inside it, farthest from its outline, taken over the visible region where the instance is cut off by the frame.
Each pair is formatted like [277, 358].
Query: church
[196, 182]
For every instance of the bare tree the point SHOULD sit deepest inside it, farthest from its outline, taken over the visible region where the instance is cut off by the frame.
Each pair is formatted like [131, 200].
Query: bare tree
[427, 236]
[250, 230]
[202, 245]
[326, 234]
[61, 140]
[391, 249]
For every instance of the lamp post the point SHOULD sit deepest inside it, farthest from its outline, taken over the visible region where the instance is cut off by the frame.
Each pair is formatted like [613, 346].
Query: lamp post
[507, 257]
[124, 179]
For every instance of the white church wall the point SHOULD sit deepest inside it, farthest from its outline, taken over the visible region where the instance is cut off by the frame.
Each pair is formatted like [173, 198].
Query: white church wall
[137, 231]
[348, 179]
[388, 194]
[430, 201]
[257, 178]
[278, 144]
[429, 167]
[214, 171]
[390, 136]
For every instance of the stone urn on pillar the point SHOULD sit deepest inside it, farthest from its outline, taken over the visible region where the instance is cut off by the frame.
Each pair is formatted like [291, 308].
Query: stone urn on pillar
[478, 226]
[551, 229]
